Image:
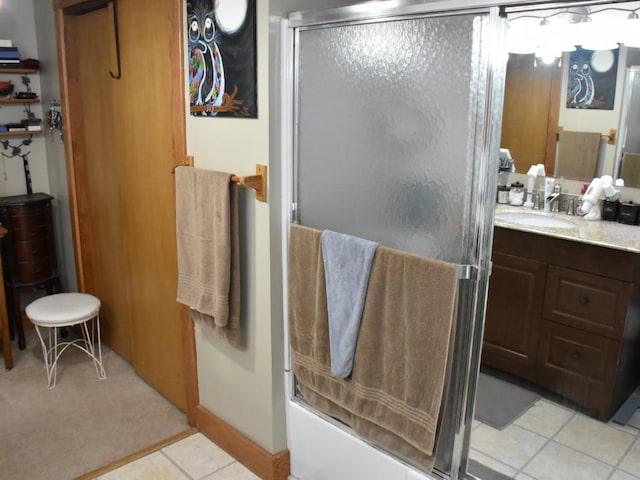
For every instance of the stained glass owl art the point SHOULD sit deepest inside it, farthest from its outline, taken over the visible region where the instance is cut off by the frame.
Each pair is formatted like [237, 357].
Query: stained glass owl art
[206, 69]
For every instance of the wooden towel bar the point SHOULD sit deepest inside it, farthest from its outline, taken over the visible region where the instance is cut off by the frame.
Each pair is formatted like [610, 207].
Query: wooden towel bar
[258, 181]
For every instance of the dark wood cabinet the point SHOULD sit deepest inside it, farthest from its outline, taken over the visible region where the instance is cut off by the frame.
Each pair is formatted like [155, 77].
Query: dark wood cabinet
[28, 252]
[515, 310]
[566, 316]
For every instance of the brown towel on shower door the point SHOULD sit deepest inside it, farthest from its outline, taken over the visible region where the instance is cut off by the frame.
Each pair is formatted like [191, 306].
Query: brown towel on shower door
[394, 394]
[208, 248]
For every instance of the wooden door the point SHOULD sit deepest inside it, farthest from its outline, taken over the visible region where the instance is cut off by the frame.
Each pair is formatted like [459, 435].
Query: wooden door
[531, 109]
[127, 134]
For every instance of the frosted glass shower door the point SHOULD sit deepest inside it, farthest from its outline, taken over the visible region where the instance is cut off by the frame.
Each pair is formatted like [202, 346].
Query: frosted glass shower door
[387, 128]
[394, 136]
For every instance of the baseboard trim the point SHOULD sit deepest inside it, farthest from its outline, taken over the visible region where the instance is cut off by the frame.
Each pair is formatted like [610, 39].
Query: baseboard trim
[264, 464]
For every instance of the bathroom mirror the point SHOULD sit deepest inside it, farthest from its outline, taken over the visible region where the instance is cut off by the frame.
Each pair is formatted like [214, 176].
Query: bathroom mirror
[536, 109]
[628, 145]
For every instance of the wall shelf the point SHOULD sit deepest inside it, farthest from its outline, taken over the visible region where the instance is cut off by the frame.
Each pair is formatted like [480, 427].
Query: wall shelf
[21, 134]
[15, 101]
[17, 71]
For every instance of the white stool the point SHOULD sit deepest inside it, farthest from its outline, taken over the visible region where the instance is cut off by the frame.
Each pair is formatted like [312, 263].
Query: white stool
[65, 310]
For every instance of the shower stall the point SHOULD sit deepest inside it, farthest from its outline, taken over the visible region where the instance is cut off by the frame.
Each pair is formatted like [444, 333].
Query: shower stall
[390, 128]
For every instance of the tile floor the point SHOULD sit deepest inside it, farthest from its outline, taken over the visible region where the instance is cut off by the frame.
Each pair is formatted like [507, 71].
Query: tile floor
[192, 458]
[552, 442]
[548, 442]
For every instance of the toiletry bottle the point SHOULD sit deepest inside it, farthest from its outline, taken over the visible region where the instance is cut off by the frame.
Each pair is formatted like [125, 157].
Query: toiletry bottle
[578, 210]
[549, 183]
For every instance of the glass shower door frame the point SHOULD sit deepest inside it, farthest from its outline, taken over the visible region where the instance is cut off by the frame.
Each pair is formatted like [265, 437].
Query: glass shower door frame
[456, 426]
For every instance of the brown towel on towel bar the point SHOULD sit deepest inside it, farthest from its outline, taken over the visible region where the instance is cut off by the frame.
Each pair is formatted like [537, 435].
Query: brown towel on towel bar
[208, 248]
[394, 394]
[577, 155]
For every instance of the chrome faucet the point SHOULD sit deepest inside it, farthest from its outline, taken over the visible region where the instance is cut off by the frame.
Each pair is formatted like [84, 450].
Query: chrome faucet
[553, 200]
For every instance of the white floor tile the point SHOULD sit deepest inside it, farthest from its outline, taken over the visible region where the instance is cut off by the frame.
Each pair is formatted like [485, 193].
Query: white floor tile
[154, 466]
[514, 445]
[557, 462]
[524, 476]
[631, 462]
[198, 456]
[620, 475]
[235, 471]
[492, 463]
[595, 438]
[545, 418]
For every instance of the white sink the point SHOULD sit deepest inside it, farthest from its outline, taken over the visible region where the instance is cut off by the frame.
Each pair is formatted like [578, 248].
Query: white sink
[534, 220]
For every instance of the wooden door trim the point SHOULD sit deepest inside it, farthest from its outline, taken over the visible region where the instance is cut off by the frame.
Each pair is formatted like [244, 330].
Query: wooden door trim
[552, 122]
[178, 105]
[68, 83]
[73, 151]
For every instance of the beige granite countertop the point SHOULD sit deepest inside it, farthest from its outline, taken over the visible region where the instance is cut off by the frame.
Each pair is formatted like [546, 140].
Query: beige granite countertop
[595, 232]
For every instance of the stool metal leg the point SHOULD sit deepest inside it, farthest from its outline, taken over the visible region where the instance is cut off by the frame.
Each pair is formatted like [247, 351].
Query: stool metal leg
[49, 353]
[90, 349]
[52, 349]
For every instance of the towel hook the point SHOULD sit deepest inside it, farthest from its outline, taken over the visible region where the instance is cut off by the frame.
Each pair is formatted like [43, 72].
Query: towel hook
[117, 39]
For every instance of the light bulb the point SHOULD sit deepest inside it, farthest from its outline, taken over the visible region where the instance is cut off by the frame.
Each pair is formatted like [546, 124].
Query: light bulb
[630, 31]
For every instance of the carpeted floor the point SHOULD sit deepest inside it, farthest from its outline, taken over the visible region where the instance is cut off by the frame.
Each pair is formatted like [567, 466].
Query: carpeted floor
[81, 424]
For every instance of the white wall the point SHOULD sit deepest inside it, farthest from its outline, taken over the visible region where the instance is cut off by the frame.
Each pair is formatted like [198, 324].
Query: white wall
[597, 121]
[54, 147]
[17, 24]
[244, 386]
[30, 25]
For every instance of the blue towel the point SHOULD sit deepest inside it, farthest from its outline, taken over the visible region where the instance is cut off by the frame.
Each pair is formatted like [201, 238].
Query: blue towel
[347, 265]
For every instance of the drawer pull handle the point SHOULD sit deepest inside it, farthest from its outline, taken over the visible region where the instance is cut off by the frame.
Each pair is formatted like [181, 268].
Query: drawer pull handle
[576, 356]
[584, 301]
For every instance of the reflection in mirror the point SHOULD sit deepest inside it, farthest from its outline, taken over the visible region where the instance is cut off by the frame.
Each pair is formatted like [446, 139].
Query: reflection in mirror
[559, 388]
[542, 84]
[628, 148]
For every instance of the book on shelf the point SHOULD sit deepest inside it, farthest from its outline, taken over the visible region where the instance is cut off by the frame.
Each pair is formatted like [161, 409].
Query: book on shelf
[25, 95]
[10, 60]
[6, 43]
[32, 124]
[9, 65]
[16, 127]
[9, 54]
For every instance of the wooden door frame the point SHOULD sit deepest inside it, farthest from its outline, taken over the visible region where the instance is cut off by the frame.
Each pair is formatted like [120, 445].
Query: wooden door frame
[74, 150]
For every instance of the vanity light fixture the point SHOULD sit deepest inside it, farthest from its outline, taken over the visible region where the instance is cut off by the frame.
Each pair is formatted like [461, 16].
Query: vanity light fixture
[597, 35]
[630, 34]
[520, 40]
[563, 30]
[550, 45]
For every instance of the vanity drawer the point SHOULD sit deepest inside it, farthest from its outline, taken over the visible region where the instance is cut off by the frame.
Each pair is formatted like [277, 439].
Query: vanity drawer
[589, 302]
[578, 365]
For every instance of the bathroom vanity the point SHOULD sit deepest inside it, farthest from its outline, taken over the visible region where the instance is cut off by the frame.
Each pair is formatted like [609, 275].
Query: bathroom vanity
[563, 309]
